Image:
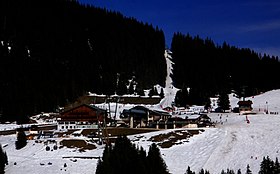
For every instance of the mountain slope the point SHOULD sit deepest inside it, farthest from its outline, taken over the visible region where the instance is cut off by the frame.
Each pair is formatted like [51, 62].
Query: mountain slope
[233, 144]
[54, 51]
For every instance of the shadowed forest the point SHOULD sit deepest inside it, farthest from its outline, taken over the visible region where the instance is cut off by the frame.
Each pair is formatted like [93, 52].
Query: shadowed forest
[57, 50]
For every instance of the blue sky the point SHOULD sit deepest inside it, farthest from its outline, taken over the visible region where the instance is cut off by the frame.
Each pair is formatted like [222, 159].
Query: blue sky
[251, 24]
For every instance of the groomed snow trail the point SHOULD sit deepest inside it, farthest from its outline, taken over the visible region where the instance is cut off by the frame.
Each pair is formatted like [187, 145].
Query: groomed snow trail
[233, 145]
[169, 90]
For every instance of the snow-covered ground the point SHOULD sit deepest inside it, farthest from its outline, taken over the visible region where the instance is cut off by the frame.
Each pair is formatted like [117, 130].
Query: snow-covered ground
[232, 144]
[169, 90]
[36, 160]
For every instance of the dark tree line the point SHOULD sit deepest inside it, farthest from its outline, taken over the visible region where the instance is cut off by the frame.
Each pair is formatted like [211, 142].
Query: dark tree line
[267, 166]
[53, 51]
[124, 157]
[209, 69]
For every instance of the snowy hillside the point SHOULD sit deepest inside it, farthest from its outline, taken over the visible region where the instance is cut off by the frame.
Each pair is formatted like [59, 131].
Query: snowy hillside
[169, 92]
[232, 144]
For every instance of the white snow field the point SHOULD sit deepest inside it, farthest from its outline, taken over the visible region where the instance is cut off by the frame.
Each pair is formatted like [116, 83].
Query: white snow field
[232, 144]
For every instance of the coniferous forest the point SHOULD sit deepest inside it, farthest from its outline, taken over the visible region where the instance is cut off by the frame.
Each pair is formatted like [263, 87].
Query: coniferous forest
[57, 50]
[208, 69]
[124, 157]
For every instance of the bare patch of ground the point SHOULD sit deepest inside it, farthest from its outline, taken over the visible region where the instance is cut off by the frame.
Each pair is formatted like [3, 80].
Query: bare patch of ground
[173, 138]
[75, 143]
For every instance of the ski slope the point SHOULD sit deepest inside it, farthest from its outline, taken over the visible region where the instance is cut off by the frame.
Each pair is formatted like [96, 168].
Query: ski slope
[232, 144]
[169, 90]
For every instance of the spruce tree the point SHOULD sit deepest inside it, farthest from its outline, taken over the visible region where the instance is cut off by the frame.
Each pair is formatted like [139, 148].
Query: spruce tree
[155, 91]
[123, 157]
[207, 104]
[268, 166]
[21, 139]
[189, 171]
[239, 171]
[155, 162]
[223, 101]
[151, 92]
[276, 166]
[141, 92]
[248, 171]
[230, 171]
[3, 160]
[99, 167]
[201, 171]
[182, 98]
[131, 89]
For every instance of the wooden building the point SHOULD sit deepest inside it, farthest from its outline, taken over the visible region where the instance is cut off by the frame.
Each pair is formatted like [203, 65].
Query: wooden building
[140, 116]
[245, 106]
[81, 117]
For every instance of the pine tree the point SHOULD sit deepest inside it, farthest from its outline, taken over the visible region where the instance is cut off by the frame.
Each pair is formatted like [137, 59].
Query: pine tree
[151, 92]
[21, 139]
[230, 171]
[268, 166]
[3, 160]
[276, 166]
[155, 162]
[239, 171]
[263, 166]
[248, 171]
[201, 171]
[182, 98]
[207, 104]
[124, 157]
[189, 171]
[155, 91]
[99, 167]
[223, 101]
[131, 89]
[104, 163]
[141, 92]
